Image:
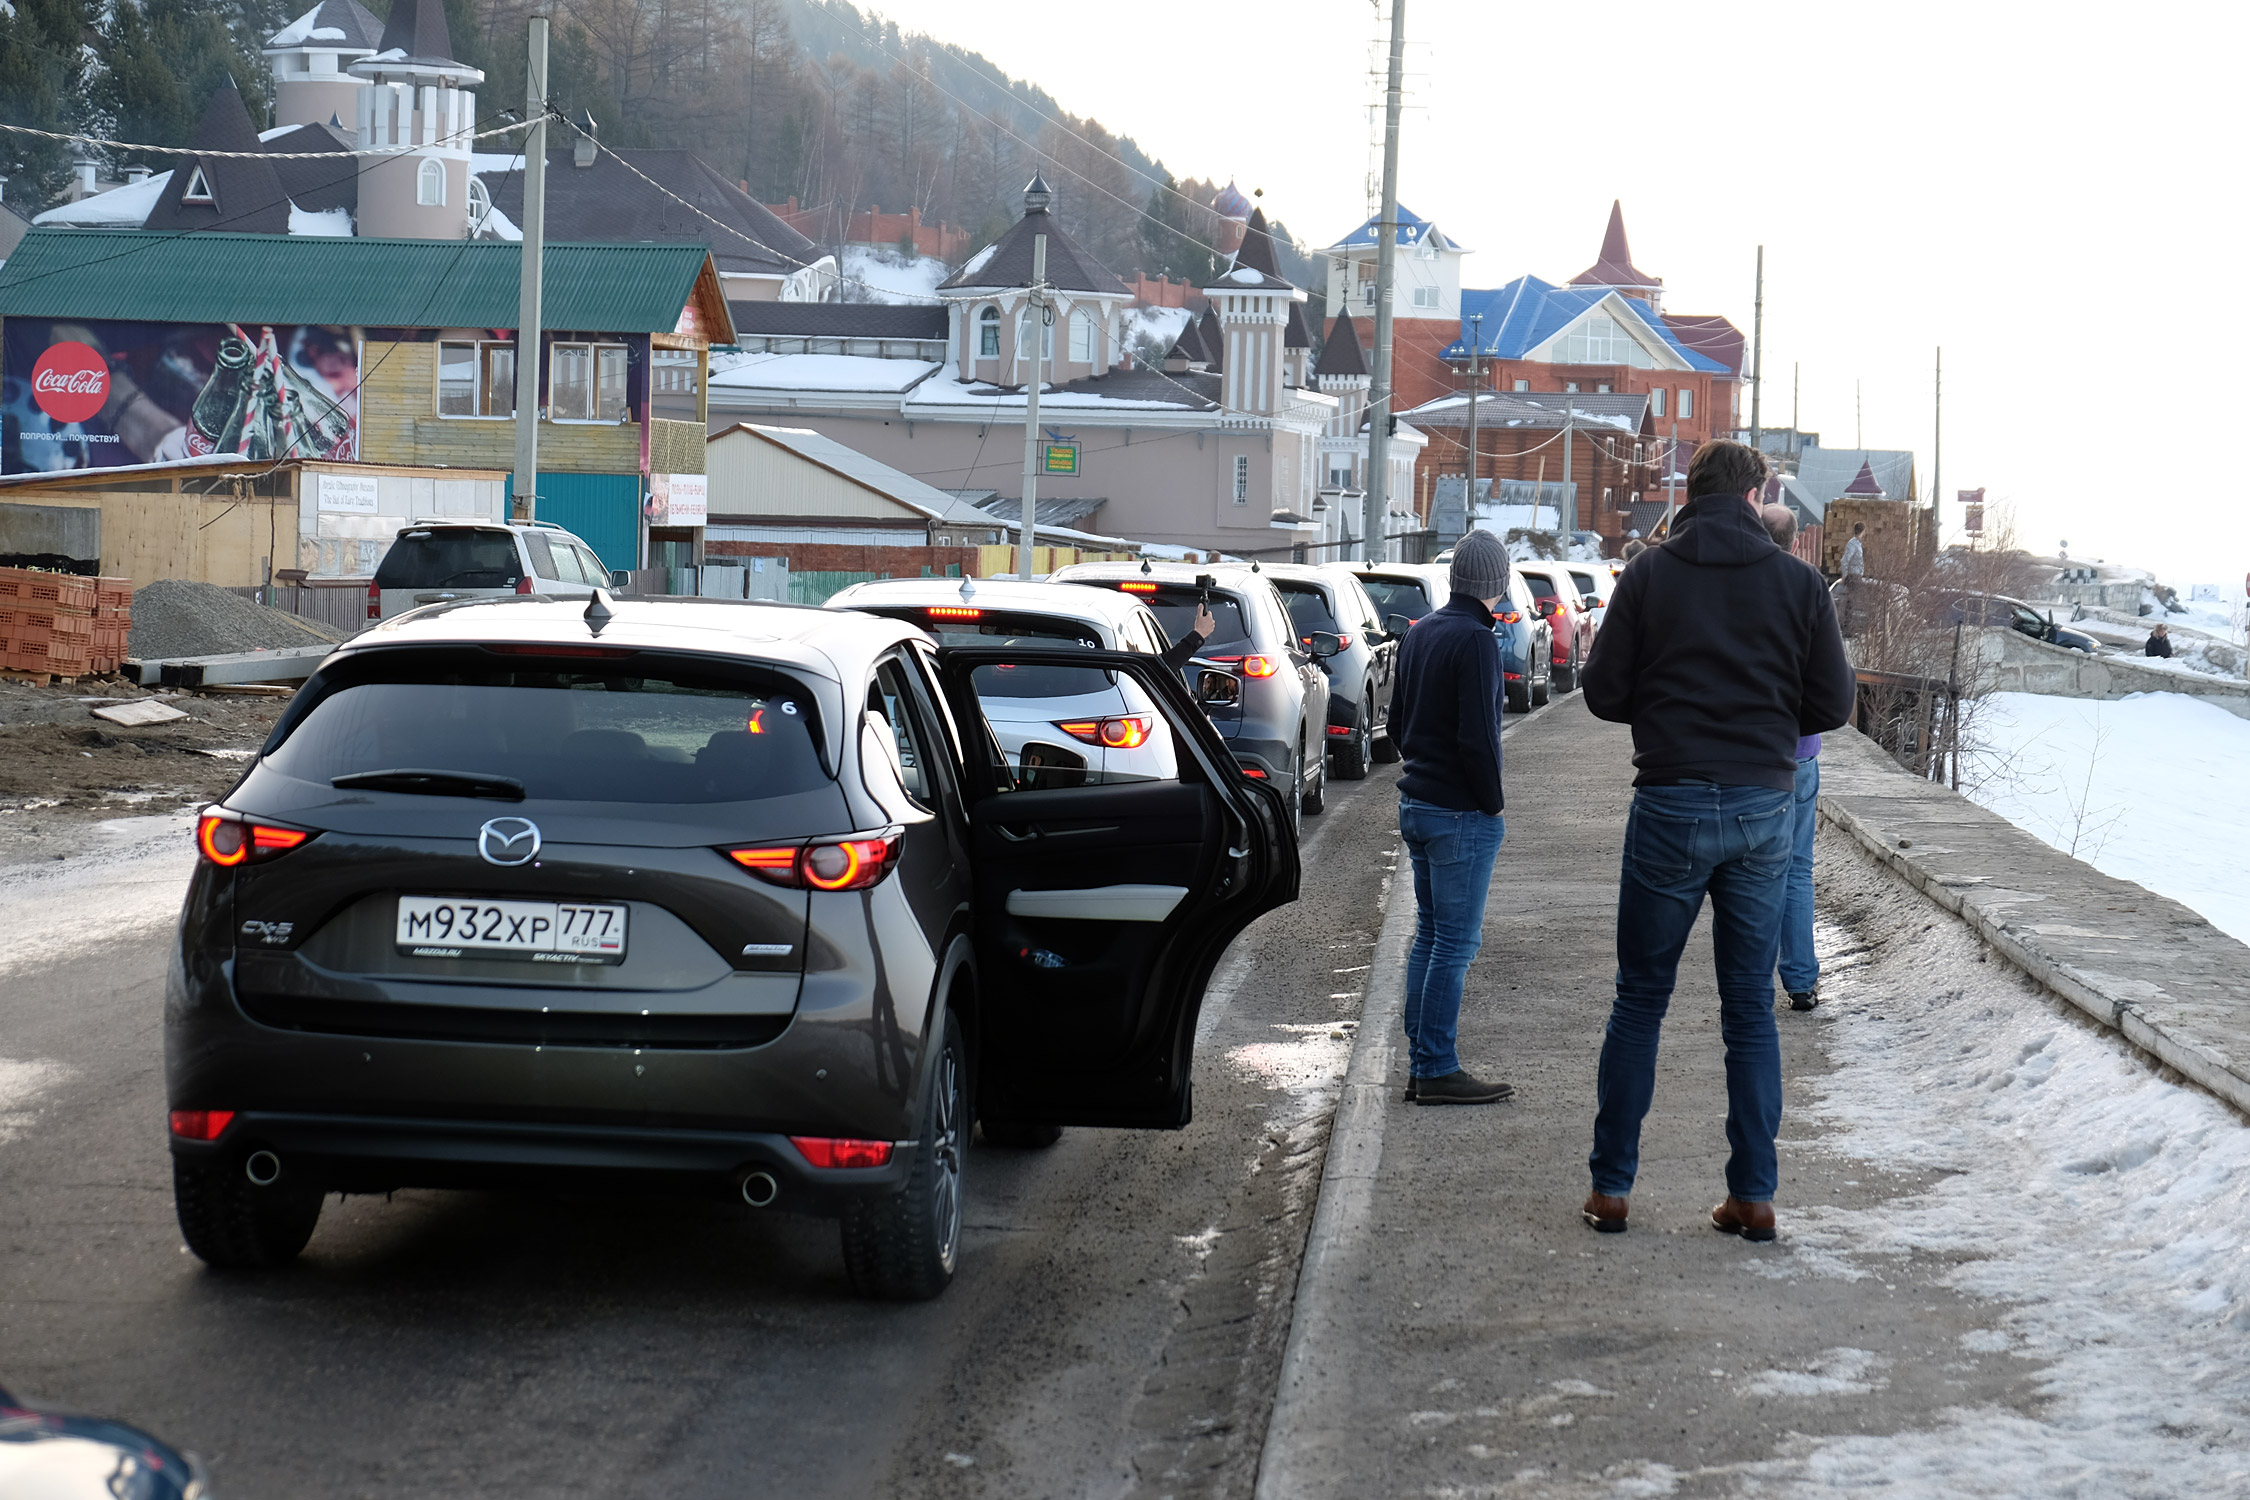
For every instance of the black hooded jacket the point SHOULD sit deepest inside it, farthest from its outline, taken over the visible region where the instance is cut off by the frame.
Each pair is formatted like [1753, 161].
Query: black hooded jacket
[1721, 651]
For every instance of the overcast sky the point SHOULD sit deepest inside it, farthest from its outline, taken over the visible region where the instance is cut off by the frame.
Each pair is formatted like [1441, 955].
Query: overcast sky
[2050, 193]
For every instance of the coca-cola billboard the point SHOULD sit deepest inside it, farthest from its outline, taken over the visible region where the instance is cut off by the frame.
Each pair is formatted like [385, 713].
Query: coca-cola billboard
[98, 395]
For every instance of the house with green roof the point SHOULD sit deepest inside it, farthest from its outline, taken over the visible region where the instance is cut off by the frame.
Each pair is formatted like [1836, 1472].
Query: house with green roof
[133, 347]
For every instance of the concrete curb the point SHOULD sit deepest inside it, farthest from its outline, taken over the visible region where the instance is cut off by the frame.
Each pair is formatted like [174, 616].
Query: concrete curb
[1308, 1405]
[2154, 1019]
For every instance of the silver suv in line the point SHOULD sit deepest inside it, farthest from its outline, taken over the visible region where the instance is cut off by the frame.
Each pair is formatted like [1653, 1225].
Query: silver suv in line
[441, 561]
[1328, 597]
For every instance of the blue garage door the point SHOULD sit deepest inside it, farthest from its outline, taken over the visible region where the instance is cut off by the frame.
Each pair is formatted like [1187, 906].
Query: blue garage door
[603, 510]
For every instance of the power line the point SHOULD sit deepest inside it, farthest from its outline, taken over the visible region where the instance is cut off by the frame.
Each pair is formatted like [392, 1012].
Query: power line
[455, 139]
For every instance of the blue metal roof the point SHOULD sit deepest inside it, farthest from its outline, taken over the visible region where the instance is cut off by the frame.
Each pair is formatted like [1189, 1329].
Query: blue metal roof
[1411, 228]
[1527, 312]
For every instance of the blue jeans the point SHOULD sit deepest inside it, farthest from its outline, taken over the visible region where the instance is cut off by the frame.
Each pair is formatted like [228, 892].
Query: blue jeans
[1800, 970]
[1681, 841]
[1453, 854]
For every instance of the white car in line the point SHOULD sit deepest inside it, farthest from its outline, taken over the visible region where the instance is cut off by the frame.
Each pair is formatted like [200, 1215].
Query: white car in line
[1059, 726]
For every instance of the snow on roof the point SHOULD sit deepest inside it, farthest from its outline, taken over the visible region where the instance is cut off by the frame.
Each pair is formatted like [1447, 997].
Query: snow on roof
[815, 373]
[946, 390]
[976, 262]
[333, 222]
[887, 279]
[126, 207]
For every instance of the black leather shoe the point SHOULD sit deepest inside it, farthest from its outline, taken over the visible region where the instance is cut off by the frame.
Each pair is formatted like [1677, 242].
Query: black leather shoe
[1804, 999]
[1460, 1087]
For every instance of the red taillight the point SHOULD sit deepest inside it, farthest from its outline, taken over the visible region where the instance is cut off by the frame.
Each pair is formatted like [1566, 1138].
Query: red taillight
[1254, 773]
[1343, 641]
[374, 602]
[954, 612]
[830, 1151]
[523, 585]
[1259, 666]
[850, 864]
[1128, 732]
[1138, 588]
[227, 840]
[1508, 617]
[1339, 730]
[201, 1124]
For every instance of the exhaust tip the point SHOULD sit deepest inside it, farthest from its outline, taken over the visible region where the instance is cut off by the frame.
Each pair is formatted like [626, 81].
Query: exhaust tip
[263, 1168]
[760, 1189]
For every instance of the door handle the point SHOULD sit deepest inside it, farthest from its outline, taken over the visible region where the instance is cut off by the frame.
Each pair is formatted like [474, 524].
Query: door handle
[1012, 836]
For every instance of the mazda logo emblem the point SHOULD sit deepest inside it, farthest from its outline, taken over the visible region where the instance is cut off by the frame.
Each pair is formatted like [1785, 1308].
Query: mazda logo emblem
[508, 841]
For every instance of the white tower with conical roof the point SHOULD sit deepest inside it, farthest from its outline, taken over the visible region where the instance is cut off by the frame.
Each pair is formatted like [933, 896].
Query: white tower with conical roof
[312, 58]
[415, 94]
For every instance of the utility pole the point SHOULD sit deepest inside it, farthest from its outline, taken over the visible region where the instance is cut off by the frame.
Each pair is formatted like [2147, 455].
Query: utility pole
[1796, 430]
[1037, 313]
[1374, 547]
[1758, 358]
[1937, 445]
[1569, 474]
[534, 257]
[1476, 340]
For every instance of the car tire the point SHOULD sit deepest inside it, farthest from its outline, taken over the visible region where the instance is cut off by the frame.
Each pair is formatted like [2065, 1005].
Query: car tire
[903, 1246]
[1561, 680]
[232, 1223]
[1354, 751]
[1019, 1135]
[1387, 752]
[1519, 699]
[1315, 796]
[1541, 693]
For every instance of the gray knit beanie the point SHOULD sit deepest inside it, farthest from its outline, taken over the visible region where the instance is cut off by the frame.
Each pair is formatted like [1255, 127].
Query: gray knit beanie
[1480, 566]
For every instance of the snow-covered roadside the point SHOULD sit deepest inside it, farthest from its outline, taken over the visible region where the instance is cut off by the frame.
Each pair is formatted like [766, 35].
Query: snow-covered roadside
[123, 877]
[2150, 788]
[2100, 1209]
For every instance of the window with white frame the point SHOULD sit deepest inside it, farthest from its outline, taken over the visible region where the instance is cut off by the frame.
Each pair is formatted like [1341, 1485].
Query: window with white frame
[1026, 321]
[1687, 402]
[586, 382]
[1656, 402]
[1523, 385]
[988, 333]
[1242, 479]
[429, 183]
[1425, 296]
[480, 202]
[476, 378]
[1081, 339]
[1597, 340]
[672, 385]
[1339, 471]
[198, 189]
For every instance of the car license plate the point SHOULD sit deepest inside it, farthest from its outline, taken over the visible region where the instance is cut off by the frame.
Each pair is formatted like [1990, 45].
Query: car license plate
[555, 932]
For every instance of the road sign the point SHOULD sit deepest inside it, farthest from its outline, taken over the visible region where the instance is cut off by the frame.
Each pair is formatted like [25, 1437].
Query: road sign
[1060, 458]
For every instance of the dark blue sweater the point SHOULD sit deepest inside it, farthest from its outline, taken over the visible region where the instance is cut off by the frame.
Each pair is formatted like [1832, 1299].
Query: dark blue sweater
[1445, 711]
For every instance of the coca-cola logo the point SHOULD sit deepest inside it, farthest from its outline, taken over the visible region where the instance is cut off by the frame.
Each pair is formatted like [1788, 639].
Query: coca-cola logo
[70, 382]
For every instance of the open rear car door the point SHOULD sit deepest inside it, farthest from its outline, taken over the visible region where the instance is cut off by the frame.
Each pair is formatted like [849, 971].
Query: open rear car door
[1113, 866]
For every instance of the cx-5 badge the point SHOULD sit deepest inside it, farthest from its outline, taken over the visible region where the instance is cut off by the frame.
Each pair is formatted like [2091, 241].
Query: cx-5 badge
[508, 841]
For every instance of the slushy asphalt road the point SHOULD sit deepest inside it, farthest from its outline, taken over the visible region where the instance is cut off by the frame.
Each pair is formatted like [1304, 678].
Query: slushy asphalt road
[1116, 1328]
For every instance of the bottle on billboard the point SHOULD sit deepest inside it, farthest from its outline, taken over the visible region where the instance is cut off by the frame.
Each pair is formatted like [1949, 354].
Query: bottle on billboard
[217, 410]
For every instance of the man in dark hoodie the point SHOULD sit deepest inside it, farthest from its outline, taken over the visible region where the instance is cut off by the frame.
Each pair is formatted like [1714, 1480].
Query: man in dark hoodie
[1445, 720]
[1721, 650]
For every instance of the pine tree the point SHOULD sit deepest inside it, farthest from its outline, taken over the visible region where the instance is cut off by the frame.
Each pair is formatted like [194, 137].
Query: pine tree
[161, 63]
[43, 76]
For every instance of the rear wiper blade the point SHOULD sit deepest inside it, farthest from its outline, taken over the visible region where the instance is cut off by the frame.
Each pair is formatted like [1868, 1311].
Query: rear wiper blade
[433, 783]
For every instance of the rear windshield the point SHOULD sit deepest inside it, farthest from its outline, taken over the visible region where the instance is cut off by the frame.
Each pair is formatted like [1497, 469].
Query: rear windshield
[647, 728]
[968, 625]
[1584, 582]
[1308, 608]
[458, 557]
[1542, 587]
[1175, 611]
[1396, 596]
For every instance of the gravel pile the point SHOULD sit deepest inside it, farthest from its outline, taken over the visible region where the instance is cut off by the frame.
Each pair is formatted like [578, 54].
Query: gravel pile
[178, 618]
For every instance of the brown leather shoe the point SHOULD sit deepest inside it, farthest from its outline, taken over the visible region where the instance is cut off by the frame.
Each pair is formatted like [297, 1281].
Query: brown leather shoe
[1604, 1214]
[1753, 1221]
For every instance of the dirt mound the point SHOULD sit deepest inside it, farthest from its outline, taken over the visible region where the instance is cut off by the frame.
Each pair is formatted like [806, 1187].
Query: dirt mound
[179, 618]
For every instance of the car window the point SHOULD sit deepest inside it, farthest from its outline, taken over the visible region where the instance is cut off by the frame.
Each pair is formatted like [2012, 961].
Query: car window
[1542, 586]
[590, 567]
[1583, 582]
[660, 732]
[542, 556]
[903, 746]
[1109, 732]
[458, 557]
[1308, 608]
[969, 625]
[1397, 596]
[1174, 608]
[1355, 598]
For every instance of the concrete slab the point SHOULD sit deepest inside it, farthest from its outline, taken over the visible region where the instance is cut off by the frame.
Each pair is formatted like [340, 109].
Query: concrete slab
[2147, 967]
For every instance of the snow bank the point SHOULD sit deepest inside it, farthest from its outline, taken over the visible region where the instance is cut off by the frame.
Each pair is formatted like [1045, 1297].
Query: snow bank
[2101, 1208]
[884, 277]
[328, 222]
[2148, 789]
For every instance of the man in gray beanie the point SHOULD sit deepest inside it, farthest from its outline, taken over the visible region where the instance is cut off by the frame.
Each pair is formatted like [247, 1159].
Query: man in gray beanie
[1445, 719]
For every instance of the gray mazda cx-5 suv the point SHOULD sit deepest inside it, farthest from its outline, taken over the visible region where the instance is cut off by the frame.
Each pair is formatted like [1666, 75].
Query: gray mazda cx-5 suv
[719, 898]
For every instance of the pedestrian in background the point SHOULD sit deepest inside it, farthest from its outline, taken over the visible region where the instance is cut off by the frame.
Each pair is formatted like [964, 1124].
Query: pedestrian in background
[1445, 720]
[2159, 642]
[1721, 651]
[1800, 967]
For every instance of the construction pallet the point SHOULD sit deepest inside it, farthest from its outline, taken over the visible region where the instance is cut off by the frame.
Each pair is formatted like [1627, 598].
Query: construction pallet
[30, 586]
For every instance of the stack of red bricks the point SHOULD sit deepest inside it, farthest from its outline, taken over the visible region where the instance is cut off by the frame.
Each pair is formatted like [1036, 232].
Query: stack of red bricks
[62, 625]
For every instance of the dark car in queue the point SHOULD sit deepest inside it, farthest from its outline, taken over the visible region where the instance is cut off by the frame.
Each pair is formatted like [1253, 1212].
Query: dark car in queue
[2011, 614]
[1526, 651]
[1327, 598]
[1261, 686]
[1556, 596]
[733, 899]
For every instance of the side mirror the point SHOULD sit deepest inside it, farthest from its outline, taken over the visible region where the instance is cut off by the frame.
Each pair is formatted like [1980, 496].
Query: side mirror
[1324, 644]
[1397, 625]
[1217, 689]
